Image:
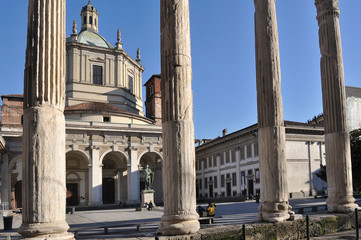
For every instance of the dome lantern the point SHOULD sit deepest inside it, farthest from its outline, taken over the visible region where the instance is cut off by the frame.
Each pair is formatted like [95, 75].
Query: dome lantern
[89, 18]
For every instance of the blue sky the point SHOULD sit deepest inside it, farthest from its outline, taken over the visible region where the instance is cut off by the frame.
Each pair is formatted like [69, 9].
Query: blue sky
[224, 79]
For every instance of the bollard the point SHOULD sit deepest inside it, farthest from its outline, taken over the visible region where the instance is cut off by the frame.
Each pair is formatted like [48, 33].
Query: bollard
[308, 227]
[244, 232]
[356, 224]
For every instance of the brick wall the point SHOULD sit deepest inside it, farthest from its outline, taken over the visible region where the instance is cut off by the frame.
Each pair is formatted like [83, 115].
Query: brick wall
[153, 103]
[11, 110]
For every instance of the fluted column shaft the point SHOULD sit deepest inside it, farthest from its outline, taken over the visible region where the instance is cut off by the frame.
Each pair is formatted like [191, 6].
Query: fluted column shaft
[44, 125]
[337, 140]
[179, 175]
[271, 133]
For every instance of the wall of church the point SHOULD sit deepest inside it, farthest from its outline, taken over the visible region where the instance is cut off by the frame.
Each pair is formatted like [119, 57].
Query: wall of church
[87, 147]
[117, 69]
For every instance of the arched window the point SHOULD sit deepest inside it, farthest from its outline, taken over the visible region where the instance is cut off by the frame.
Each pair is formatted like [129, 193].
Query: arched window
[95, 21]
[84, 20]
[90, 20]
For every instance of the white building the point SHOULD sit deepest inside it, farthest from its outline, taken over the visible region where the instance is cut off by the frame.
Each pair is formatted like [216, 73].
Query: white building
[228, 166]
[353, 101]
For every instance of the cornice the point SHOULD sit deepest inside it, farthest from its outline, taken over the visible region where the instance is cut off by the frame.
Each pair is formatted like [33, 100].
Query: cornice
[113, 51]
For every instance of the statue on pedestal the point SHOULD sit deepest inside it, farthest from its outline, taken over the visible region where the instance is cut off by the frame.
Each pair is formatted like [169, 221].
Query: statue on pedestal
[148, 176]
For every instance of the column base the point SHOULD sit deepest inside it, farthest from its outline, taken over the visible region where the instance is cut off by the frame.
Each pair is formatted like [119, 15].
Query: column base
[63, 236]
[45, 231]
[343, 205]
[179, 225]
[275, 212]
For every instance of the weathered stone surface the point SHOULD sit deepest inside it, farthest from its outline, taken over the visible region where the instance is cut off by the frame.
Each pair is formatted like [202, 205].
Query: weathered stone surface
[271, 134]
[338, 155]
[180, 215]
[319, 226]
[44, 124]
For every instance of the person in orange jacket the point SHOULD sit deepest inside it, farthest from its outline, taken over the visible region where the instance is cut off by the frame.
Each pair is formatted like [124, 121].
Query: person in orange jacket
[211, 209]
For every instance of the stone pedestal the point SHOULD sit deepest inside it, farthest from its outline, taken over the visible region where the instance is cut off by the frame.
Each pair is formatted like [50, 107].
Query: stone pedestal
[44, 189]
[337, 139]
[271, 132]
[147, 197]
[179, 176]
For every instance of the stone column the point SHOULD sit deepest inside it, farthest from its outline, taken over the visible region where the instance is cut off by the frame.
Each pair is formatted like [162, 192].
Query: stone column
[179, 175]
[337, 140]
[271, 132]
[44, 189]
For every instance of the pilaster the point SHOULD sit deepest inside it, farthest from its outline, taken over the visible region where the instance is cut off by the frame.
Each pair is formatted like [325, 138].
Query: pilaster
[310, 170]
[218, 157]
[133, 176]
[95, 178]
[238, 170]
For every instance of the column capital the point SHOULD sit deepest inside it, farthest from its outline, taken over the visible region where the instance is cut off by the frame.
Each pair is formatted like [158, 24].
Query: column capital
[133, 148]
[150, 148]
[94, 147]
[326, 7]
[74, 146]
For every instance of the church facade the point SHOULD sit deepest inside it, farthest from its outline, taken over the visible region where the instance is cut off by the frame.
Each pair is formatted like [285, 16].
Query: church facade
[108, 139]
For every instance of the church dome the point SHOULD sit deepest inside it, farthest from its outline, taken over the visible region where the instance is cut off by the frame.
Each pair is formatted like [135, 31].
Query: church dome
[93, 39]
[89, 29]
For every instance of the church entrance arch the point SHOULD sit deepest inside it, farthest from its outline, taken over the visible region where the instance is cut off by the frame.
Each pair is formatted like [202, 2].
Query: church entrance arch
[154, 161]
[114, 181]
[77, 178]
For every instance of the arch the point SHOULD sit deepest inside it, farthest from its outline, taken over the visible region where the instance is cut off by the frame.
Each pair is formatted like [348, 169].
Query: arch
[149, 151]
[73, 173]
[154, 160]
[109, 151]
[114, 176]
[14, 160]
[81, 152]
[77, 164]
[90, 20]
